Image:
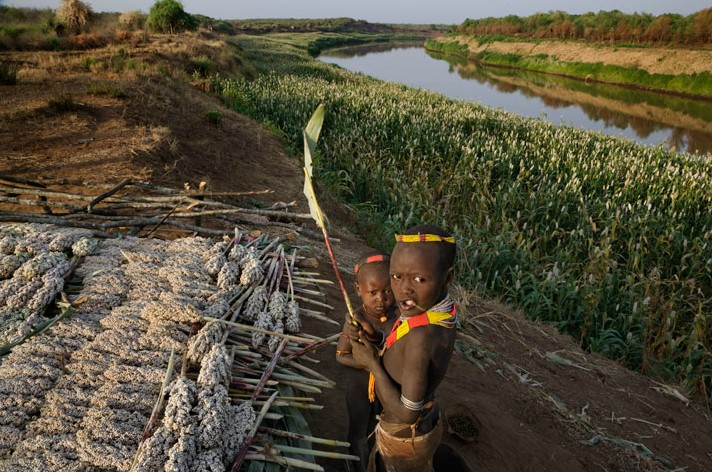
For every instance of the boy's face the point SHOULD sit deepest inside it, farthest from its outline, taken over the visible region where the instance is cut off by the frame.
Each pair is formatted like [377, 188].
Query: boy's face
[417, 278]
[374, 288]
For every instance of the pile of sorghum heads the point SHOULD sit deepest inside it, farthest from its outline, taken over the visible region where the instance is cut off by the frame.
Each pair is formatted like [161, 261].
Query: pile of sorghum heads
[34, 260]
[79, 395]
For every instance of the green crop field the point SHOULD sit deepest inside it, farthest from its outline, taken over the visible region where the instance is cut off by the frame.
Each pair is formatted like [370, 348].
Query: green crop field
[606, 239]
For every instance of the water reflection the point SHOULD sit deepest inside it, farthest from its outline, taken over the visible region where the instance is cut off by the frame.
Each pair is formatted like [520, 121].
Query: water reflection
[359, 51]
[650, 118]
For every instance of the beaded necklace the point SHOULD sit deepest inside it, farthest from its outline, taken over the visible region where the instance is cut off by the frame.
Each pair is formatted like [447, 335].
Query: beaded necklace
[444, 314]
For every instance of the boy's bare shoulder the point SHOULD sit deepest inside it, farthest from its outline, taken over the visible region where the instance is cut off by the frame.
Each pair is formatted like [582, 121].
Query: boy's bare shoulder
[427, 338]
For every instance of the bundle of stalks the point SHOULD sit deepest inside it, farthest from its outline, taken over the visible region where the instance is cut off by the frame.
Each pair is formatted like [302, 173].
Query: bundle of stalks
[83, 394]
[139, 206]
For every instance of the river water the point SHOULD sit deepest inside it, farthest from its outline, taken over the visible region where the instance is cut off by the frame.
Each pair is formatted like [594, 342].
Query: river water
[650, 118]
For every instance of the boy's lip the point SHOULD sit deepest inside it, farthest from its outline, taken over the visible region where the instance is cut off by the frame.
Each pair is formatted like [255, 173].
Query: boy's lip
[407, 304]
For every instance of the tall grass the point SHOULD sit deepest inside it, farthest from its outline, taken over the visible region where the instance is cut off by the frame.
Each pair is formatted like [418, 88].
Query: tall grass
[606, 239]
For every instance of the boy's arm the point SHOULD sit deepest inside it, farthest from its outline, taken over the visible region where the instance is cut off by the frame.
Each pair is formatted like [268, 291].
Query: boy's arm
[414, 376]
[344, 355]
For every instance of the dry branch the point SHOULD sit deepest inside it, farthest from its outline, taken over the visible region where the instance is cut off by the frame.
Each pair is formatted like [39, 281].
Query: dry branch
[106, 194]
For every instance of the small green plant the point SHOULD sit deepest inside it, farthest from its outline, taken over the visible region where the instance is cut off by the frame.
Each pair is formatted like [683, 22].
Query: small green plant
[105, 89]
[8, 73]
[119, 61]
[63, 103]
[203, 65]
[53, 44]
[213, 117]
[87, 62]
[165, 71]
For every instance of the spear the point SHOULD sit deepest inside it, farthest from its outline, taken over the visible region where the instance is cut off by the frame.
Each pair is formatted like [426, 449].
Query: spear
[311, 135]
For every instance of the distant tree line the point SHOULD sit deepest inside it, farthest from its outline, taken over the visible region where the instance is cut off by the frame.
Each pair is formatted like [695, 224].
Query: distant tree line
[612, 26]
[291, 25]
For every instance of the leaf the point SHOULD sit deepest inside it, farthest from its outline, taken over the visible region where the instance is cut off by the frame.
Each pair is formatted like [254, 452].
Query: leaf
[314, 209]
[556, 359]
[311, 135]
[256, 466]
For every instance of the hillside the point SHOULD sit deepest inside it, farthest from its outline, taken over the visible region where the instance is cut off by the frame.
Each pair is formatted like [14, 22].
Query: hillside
[140, 111]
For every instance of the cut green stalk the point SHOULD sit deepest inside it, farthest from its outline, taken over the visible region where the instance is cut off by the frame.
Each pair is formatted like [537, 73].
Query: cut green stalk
[315, 453]
[285, 461]
[313, 302]
[312, 439]
[253, 329]
[313, 346]
[312, 281]
[303, 406]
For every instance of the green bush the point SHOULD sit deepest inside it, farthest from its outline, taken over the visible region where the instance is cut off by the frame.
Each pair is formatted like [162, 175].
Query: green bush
[53, 44]
[203, 66]
[213, 117]
[168, 16]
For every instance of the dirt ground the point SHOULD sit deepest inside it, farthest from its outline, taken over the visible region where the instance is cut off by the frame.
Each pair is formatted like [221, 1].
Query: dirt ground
[543, 404]
[655, 60]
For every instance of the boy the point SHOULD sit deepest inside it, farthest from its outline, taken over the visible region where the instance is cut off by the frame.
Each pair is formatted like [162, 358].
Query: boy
[416, 353]
[373, 287]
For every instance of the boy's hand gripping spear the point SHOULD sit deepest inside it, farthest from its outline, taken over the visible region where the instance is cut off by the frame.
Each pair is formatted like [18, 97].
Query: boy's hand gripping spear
[311, 135]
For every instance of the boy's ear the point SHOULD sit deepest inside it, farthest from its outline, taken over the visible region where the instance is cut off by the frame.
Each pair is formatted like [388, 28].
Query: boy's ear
[449, 277]
[357, 287]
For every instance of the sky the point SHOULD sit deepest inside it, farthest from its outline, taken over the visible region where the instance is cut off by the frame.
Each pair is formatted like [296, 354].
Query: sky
[390, 11]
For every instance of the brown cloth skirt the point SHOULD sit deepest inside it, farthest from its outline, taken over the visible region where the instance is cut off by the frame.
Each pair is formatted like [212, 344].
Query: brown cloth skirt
[405, 454]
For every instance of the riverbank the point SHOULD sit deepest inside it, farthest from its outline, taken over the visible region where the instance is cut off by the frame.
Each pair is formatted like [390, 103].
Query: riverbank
[644, 112]
[687, 72]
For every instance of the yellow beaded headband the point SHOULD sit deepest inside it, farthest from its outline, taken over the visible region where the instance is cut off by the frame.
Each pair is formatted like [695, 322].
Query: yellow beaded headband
[424, 238]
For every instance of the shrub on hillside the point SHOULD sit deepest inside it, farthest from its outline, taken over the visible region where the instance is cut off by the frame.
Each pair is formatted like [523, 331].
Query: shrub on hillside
[74, 15]
[8, 73]
[213, 117]
[132, 20]
[168, 16]
[62, 103]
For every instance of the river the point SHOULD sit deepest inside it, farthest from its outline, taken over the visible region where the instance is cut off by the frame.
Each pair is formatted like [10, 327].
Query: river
[679, 123]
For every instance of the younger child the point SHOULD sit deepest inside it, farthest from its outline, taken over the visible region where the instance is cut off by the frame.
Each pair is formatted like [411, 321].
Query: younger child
[373, 286]
[416, 353]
